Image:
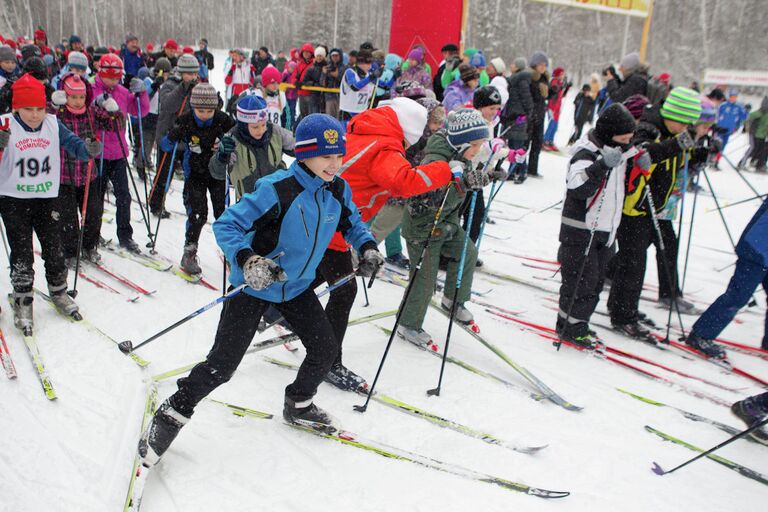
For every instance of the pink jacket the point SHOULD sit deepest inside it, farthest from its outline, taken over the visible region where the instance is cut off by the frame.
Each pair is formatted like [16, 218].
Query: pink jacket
[126, 100]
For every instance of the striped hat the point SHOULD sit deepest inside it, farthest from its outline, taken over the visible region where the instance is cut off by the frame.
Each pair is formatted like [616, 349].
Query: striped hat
[682, 105]
[318, 135]
[251, 109]
[204, 96]
[464, 126]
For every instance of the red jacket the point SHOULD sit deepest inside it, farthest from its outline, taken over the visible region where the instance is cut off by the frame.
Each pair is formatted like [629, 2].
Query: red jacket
[303, 66]
[380, 169]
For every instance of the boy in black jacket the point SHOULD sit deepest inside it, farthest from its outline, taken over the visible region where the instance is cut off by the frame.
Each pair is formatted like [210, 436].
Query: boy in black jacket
[199, 131]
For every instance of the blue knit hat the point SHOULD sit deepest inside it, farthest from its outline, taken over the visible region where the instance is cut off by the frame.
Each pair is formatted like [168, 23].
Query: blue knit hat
[478, 60]
[318, 135]
[251, 109]
[464, 126]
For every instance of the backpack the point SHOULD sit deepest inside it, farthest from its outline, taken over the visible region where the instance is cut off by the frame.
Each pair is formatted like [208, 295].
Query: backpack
[656, 91]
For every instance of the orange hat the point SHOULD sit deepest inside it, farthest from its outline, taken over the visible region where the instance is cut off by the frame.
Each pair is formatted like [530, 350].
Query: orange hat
[28, 92]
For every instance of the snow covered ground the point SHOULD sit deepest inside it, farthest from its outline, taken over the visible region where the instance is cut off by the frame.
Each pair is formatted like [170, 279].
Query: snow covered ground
[76, 453]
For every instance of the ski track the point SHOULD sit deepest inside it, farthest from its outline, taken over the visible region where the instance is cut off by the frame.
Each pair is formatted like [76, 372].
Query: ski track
[76, 453]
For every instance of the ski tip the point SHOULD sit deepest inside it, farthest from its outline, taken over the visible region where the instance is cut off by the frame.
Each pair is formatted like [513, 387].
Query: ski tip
[126, 347]
[658, 469]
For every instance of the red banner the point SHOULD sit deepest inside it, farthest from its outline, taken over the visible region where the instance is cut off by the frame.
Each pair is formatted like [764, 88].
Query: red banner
[429, 23]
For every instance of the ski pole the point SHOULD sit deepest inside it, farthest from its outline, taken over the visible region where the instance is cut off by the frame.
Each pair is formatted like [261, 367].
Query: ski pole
[126, 347]
[83, 213]
[690, 231]
[5, 243]
[436, 391]
[143, 154]
[365, 290]
[743, 178]
[153, 240]
[656, 468]
[158, 171]
[761, 197]
[492, 195]
[673, 284]
[579, 276]
[415, 270]
[145, 217]
[662, 249]
[224, 260]
[753, 302]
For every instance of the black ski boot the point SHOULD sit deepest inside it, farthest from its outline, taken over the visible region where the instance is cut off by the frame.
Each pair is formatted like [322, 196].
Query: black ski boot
[307, 414]
[22, 312]
[581, 335]
[345, 379]
[748, 412]
[162, 430]
[189, 262]
[635, 331]
[708, 347]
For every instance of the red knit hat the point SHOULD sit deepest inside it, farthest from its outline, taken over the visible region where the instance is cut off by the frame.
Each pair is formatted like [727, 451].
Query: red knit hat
[188, 50]
[39, 34]
[28, 92]
[150, 47]
[73, 84]
[171, 44]
[270, 75]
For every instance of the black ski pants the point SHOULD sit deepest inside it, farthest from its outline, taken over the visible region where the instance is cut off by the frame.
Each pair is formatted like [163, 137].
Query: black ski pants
[237, 326]
[197, 187]
[71, 198]
[635, 235]
[22, 218]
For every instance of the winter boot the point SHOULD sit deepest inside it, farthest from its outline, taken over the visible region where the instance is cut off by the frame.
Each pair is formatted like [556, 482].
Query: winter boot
[162, 430]
[747, 411]
[63, 302]
[463, 315]
[92, 255]
[399, 260]
[189, 262]
[130, 245]
[345, 379]
[22, 312]
[708, 347]
[418, 337]
[636, 331]
[307, 414]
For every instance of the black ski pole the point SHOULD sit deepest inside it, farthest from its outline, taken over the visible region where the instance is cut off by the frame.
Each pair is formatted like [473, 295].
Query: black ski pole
[153, 241]
[656, 468]
[753, 302]
[223, 259]
[690, 231]
[415, 272]
[761, 197]
[743, 178]
[143, 155]
[665, 266]
[365, 290]
[673, 285]
[144, 215]
[83, 214]
[436, 391]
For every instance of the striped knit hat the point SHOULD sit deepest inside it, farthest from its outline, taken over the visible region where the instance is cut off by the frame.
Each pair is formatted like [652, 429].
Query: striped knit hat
[251, 109]
[318, 135]
[204, 96]
[682, 105]
[464, 126]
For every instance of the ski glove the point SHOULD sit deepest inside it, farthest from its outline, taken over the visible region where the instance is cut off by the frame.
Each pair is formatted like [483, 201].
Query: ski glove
[93, 147]
[260, 272]
[643, 160]
[59, 98]
[611, 156]
[106, 102]
[136, 86]
[5, 137]
[370, 263]
[226, 147]
[470, 179]
[517, 156]
[685, 141]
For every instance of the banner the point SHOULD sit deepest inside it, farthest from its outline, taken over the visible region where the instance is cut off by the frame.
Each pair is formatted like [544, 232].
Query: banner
[736, 77]
[428, 23]
[639, 8]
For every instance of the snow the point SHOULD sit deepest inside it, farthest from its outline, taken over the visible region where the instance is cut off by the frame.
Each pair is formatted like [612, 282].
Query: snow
[76, 453]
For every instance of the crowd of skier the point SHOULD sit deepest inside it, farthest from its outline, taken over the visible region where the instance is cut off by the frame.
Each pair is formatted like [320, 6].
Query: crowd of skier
[416, 146]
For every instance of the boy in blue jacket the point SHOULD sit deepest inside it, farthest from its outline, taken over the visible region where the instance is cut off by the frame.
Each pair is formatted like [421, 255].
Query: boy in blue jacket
[274, 238]
[751, 270]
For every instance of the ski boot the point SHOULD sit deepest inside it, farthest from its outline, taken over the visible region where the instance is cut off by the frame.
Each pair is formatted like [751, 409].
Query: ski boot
[463, 315]
[685, 307]
[307, 414]
[418, 337]
[162, 430]
[163, 214]
[22, 312]
[64, 303]
[708, 347]
[579, 334]
[189, 262]
[635, 331]
[92, 256]
[748, 412]
[345, 379]
[130, 245]
[399, 260]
